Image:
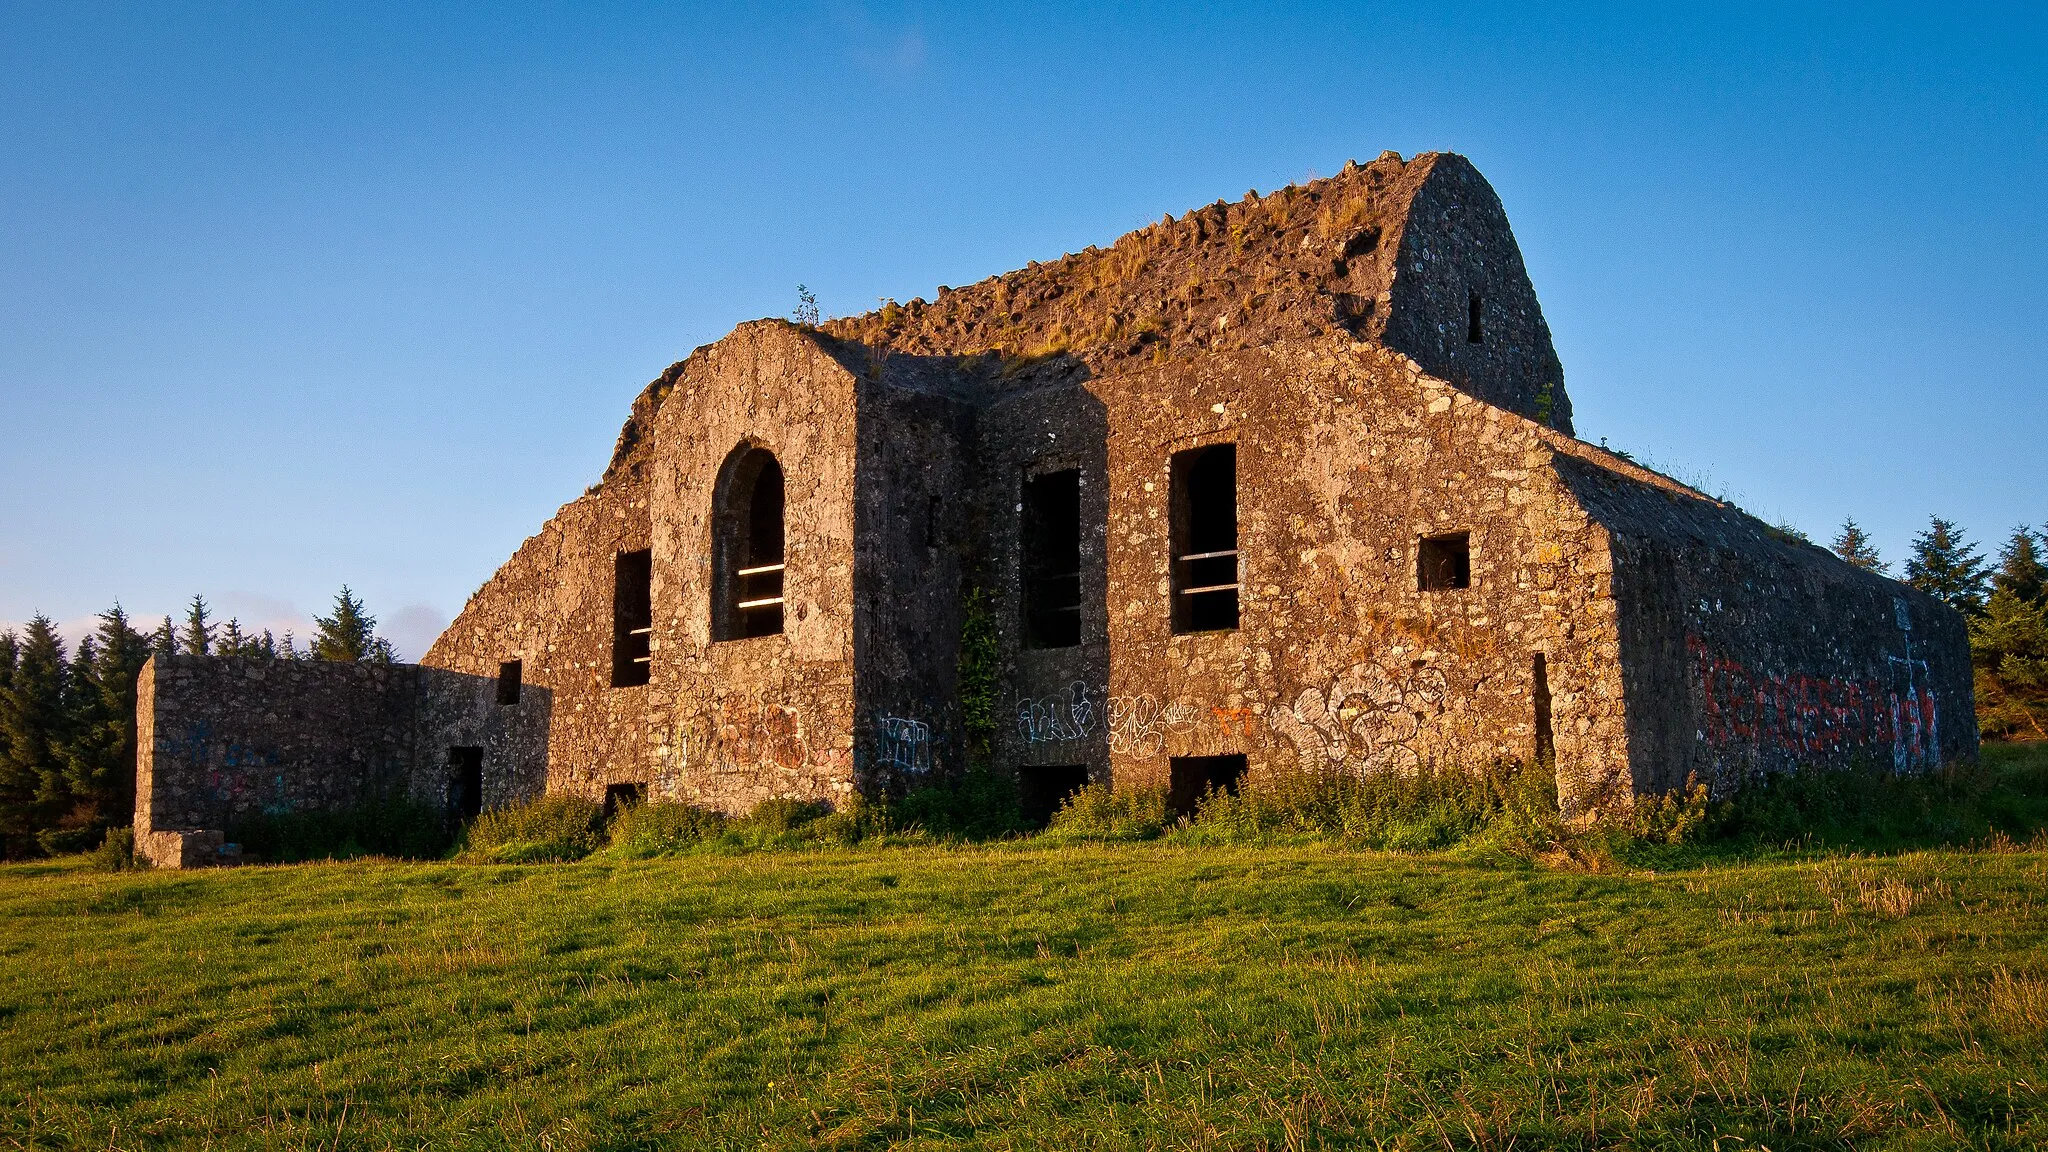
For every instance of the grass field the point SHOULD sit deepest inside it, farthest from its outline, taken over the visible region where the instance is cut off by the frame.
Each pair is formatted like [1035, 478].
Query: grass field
[1150, 995]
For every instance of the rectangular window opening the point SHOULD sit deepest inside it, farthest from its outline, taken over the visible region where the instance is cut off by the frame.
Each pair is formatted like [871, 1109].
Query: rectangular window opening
[632, 618]
[1475, 330]
[1203, 507]
[465, 783]
[1192, 777]
[1052, 560]
[508, 681]
[1444, 563]
[617, 796]
[1546, 747]
[1042, 789]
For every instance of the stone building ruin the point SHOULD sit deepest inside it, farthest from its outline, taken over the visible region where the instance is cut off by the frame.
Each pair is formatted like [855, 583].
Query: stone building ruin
[1286, 483]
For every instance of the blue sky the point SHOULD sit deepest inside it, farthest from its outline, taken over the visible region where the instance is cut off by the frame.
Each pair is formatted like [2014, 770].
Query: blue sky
[292, 297]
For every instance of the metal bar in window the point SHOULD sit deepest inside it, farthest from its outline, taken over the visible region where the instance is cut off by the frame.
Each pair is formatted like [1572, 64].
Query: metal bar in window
[642, 659]
[1208, 588]
[765, 568]
[746, 604]
[641, 631]
[1211, 555]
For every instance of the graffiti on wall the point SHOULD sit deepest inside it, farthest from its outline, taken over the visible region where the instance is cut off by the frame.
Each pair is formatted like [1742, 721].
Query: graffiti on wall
[1367, 720]
[1072, 714]
[1138, 725]
[743, 732]
[1809, 715]
[903, 743]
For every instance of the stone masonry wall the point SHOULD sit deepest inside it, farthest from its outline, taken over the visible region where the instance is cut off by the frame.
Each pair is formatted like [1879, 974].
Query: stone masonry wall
[550, 607]
[731, 723]
[1347, 456]
[1746, 652]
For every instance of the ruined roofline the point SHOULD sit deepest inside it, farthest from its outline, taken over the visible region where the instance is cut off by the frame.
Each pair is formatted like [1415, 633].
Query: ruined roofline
[1296, 262]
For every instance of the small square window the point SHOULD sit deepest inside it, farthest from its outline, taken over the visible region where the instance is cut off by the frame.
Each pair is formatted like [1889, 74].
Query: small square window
[1444, 563]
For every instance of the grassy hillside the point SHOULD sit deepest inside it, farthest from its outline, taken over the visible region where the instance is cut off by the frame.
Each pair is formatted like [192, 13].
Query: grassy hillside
[1147, 995]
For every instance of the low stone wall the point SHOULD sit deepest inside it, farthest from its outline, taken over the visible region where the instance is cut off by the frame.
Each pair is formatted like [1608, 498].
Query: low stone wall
[222, 740]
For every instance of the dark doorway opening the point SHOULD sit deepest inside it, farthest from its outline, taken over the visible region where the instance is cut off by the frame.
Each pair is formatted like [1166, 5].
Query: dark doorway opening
[465, 783]
[1444, 563]
[1043, 788]
[1546, 748]
[1052, 560]
[509, 674]
[617, 796]
[632, 618]
[749, 548]
[1192, 777]
[1203, 509]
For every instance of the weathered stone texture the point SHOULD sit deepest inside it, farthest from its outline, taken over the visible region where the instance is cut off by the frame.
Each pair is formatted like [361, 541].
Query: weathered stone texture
[1372, 347]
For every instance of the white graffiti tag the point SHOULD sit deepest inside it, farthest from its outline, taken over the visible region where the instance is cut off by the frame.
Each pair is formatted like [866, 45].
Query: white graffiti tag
[1074, 714]
[904, 743]
[1138, 724]
[1365, 722]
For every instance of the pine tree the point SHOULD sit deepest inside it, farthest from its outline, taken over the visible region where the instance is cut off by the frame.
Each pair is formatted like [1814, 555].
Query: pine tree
[164, 641]
[1853, 544]
[2009, 652]
[33, 721]
[198, 631]
[99, 757]
[1948, 567]
[2019, 568]
[350, 633]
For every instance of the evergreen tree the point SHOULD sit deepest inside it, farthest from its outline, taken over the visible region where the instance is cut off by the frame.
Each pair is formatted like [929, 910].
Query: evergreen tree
[2009, 653]
[164, 641]
[99, 757]
[33, 721]
[1948, 567]
[10, 655]
[350, 633]
[2019, 568]
[198, 630]
[1853, 544]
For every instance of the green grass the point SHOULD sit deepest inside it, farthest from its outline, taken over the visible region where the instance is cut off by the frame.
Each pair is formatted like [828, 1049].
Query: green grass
[1150, 995]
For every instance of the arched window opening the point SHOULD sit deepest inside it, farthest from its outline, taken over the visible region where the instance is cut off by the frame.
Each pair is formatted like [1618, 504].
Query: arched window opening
[749, 550]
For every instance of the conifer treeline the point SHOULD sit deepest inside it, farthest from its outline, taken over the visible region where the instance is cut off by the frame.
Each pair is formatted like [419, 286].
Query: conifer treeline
[2006, 606]
[67, 721]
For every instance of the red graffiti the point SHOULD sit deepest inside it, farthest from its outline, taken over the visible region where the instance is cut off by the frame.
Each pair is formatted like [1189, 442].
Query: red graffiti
[760, 733]
[1242, 717]
[1813, 715]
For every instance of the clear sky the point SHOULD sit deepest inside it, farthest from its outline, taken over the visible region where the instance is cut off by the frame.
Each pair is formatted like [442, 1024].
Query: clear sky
[292, 298]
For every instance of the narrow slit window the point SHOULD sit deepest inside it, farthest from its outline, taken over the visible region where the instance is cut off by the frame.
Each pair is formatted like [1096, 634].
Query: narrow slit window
[1189, 778]
[1204, 539]
[508, 682]
[465, 783]
[1539, 691]
[1052, 560]
[632, 618]
[749, 523]
[1444, 563]
[1475, 322]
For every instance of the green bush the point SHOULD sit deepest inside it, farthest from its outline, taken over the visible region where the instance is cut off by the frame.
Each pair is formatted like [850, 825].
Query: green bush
[645, 831]
[981, 804]
[116, 853]
[552, 828]
[68, 841]
[1099, 813]
[395, 827]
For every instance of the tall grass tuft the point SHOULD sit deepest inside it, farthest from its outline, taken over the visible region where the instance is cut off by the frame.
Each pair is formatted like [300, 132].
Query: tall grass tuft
[551, 829]
[1100, 814]
[646, 831]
